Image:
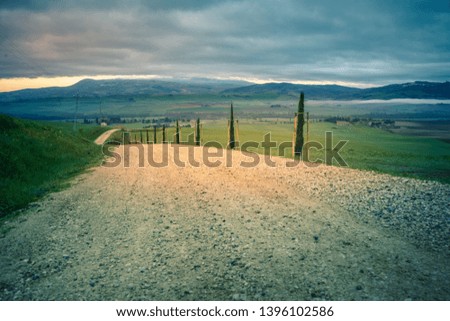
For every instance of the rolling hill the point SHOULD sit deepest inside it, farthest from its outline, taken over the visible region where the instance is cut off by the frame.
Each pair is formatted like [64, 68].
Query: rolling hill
[417, 89]
[314, 91]
[139, 87]
[124, 87]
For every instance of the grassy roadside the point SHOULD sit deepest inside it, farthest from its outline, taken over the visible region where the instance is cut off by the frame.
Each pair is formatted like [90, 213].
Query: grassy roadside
[39, 157]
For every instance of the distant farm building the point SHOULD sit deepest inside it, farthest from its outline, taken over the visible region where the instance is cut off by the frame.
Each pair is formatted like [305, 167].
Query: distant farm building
[374, 123]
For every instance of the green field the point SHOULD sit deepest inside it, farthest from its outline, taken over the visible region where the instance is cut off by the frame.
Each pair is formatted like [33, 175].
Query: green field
[38, 157]
[366, 148]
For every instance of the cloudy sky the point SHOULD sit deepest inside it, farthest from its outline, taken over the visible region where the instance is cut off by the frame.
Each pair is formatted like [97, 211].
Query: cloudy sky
[359, 43]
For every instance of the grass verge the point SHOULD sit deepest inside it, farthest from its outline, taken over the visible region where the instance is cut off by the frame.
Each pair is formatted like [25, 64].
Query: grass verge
[39, 157]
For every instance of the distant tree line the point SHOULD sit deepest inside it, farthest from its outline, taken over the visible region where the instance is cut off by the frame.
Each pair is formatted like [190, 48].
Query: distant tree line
[131, 120]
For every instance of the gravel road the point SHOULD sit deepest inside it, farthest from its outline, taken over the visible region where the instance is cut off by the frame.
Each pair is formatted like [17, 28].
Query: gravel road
[230, 233]
[103, 137]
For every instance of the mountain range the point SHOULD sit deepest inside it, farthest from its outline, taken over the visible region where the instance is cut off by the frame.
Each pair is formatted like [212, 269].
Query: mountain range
[417, 89]
[124, 87]
[138, 87]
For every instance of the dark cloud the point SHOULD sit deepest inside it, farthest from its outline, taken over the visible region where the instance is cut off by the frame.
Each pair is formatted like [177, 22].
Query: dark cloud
[354, 41]
[42, 5]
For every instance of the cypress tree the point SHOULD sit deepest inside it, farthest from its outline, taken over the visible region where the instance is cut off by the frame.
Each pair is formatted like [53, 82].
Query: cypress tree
[197, 132]
[177, 133]
[299, 122]
[126, 138]
[164, 134]
[231, 142]
[154, 135]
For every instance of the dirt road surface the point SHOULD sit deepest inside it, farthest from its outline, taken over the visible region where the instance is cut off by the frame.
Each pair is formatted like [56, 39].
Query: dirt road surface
[103, 137]
[230, 233]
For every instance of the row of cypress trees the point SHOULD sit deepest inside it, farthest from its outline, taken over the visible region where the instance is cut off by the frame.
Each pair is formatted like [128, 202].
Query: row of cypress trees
[299, 122]
[178, 130]
[298, 141]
